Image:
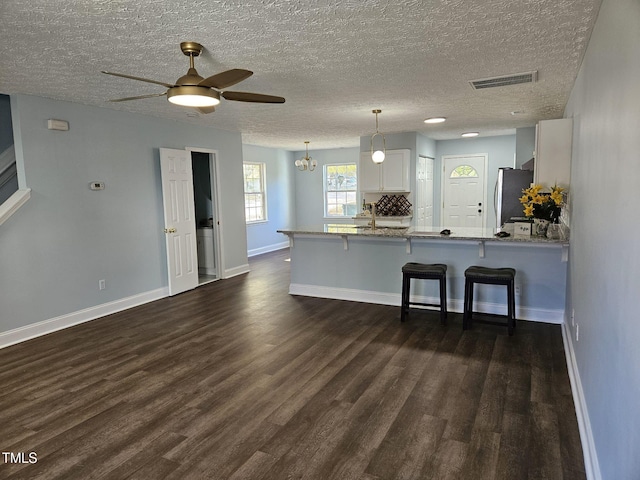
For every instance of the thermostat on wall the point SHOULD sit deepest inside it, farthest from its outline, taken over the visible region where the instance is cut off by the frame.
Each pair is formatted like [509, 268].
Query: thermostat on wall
[96, 185]
[53, 124]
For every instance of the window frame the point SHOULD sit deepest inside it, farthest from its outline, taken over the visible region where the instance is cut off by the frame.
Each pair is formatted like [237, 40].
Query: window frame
[325, 189]
[262, 192]
[12, 204]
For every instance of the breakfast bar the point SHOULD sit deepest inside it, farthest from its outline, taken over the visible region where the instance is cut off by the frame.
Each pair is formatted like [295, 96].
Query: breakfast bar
[350, 262]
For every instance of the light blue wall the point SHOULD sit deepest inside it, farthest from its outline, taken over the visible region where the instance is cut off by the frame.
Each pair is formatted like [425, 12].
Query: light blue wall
[67, 237]
[525, 144]
[426, 146]
[605, 251]
[309, 188]
[281, 204]
[501, 151]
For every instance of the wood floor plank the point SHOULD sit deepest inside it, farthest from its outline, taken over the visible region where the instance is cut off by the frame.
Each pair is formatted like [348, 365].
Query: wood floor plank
[513, 455]
[238, 379]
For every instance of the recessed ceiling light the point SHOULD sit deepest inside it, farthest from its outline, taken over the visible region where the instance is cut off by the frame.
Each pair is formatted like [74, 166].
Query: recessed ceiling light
[470, 134]
[435, 120]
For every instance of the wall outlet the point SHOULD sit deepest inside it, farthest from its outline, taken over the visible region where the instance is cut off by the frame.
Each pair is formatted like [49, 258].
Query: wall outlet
[518, 289]
[102, 284]
[577, 332]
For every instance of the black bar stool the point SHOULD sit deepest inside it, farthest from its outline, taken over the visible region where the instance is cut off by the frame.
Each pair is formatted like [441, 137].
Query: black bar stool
[490, 276]
[436, 271]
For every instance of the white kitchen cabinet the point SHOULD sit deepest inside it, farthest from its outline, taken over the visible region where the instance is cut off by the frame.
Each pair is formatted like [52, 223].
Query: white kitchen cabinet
[392, 175]
[552, 164]
[206, 260]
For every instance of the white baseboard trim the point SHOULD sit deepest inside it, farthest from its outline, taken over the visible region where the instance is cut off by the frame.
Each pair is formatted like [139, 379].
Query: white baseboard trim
[232, 272]
[591, 465]
[21, 334]
[269, 248]
[455, 305]
[350, 294]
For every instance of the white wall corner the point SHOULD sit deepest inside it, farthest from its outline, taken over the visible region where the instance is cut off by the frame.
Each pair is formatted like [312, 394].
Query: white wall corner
[239, 270]
[591, 465]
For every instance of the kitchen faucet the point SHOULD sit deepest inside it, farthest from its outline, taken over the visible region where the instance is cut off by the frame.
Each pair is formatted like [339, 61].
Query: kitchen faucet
[373, 215]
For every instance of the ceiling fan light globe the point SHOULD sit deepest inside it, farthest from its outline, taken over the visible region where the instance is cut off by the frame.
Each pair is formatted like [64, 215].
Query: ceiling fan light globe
[193, 96]
[378, 156]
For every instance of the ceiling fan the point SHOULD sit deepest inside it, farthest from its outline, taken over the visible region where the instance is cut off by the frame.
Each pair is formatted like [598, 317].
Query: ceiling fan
[192, 90]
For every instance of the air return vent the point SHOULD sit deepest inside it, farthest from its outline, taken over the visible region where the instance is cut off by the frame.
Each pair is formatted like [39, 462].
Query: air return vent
[528, 77]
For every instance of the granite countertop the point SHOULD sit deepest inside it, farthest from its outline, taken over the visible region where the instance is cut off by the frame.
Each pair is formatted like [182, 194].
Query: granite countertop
[346, 229]
[427, 233]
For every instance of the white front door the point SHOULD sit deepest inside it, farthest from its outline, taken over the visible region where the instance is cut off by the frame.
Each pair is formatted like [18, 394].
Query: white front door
[464, 190]
[179, 219]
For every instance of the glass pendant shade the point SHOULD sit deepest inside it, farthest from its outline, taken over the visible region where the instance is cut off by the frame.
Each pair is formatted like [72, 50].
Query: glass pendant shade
[378, 156]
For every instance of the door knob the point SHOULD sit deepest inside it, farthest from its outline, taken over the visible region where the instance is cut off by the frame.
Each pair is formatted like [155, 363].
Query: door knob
[170, 230]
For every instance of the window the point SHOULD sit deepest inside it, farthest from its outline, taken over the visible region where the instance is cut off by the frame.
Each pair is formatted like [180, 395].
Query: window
[340, 190]
[13, 193]
[255, 196]
[464, 171]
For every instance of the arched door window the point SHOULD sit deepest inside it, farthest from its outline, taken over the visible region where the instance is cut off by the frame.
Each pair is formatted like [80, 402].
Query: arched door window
[464, 171]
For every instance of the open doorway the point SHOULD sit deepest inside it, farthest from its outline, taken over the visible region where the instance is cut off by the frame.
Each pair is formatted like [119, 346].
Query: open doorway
[206, 214]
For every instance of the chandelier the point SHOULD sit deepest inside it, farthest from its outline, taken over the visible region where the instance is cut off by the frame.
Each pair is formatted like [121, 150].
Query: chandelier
[306, 162]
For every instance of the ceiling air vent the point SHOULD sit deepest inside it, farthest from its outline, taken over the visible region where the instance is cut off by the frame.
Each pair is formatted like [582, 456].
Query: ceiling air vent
[528, 77]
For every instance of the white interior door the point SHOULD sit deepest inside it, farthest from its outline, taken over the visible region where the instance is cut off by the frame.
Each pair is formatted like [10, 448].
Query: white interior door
[423, 209]
[464, 190]
[179, 219]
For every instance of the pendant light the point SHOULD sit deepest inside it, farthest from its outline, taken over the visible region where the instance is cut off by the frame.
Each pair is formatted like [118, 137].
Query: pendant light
[378, 155]
[306, 162]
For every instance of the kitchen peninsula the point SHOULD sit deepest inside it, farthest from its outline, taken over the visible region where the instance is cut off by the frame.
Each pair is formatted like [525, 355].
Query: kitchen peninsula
[349, 262]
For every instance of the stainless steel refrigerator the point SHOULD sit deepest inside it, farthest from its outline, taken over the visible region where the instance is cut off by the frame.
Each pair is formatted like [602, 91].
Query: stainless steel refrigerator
[507, 193]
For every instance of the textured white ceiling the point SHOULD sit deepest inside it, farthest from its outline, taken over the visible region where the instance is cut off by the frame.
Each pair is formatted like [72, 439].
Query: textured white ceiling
[333, 60]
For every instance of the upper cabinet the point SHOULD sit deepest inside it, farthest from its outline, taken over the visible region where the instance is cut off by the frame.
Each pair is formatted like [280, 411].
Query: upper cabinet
[392, 175]
[553, 152]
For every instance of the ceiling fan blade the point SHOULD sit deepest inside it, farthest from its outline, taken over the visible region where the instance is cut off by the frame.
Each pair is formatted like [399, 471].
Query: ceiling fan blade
[138, 97]
[226, 79]
[206, 110]
[168, 85]
[252, 97]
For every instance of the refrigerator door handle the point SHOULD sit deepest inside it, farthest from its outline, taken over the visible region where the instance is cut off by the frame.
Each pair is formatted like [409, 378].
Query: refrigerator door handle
[495, 202]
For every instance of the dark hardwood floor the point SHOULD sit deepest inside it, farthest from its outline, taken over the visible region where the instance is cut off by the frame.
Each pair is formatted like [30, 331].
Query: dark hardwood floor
[239, 380]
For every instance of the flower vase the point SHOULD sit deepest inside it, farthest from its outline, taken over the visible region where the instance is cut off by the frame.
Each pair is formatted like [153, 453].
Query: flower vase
[540, 227]
[554, 231]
